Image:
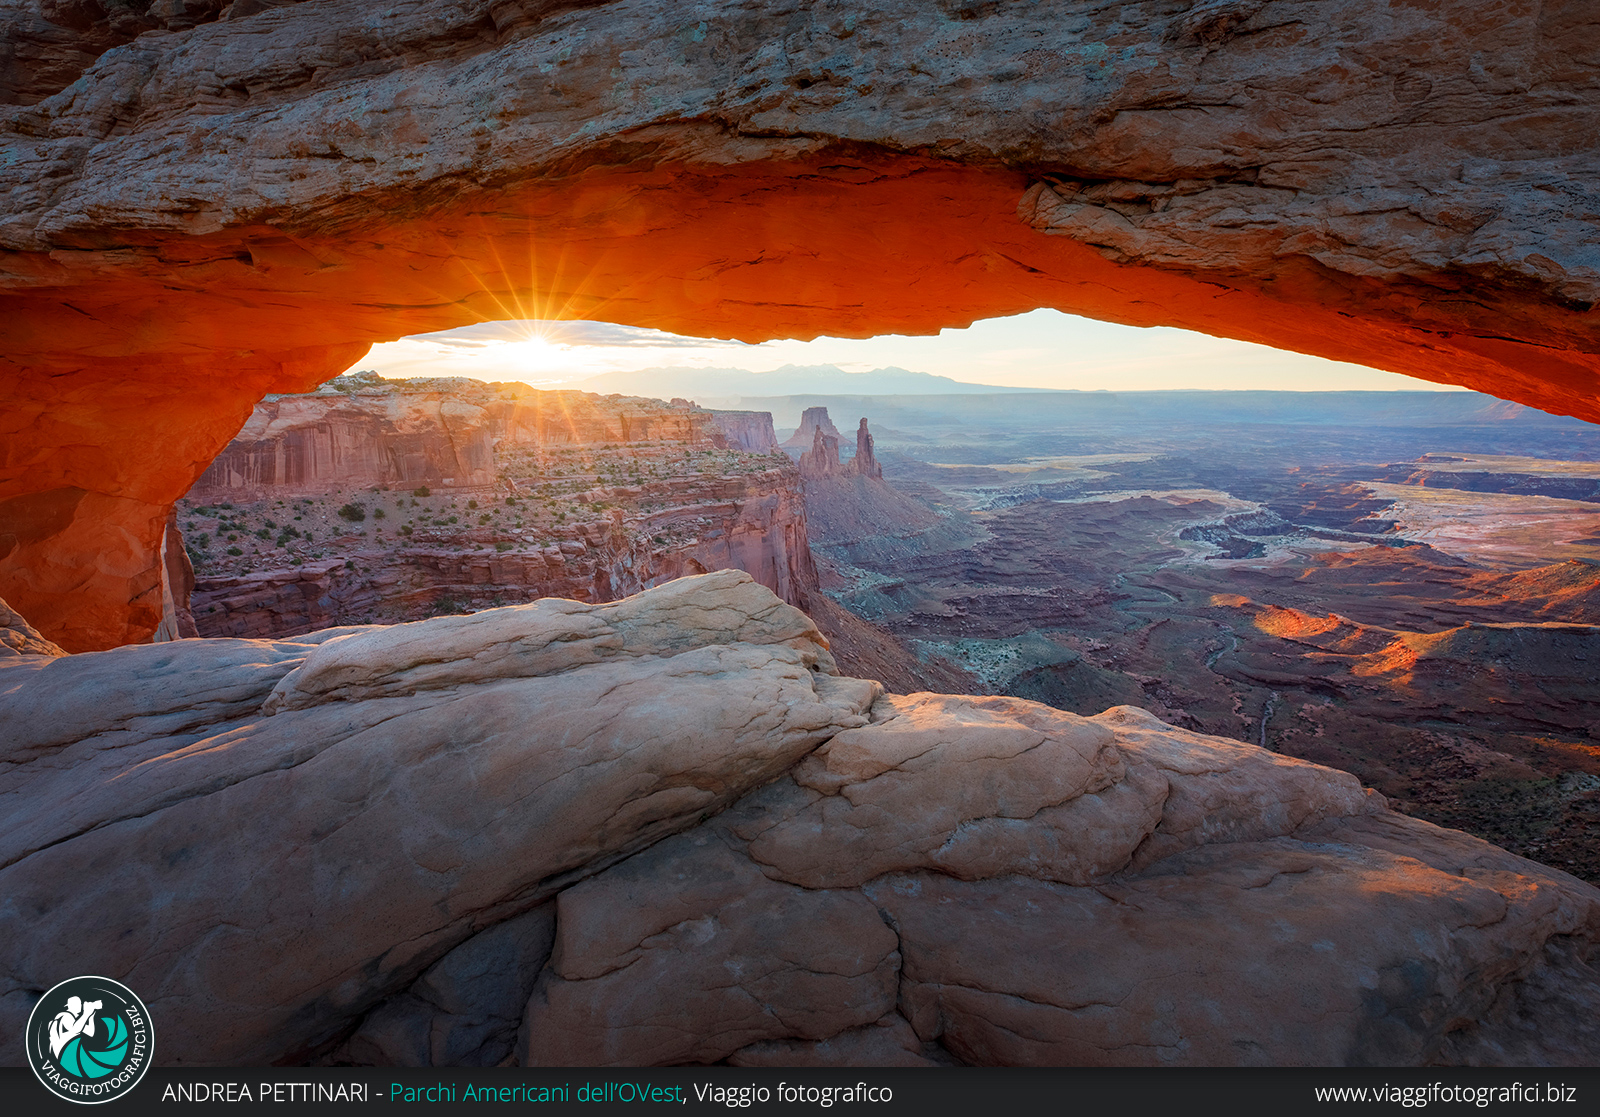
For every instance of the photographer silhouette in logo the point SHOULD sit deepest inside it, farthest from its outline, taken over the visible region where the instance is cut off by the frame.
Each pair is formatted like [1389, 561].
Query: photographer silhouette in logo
[77, 1019]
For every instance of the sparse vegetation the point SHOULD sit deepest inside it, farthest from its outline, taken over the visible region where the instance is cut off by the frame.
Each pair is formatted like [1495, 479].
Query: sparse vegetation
[353, 512]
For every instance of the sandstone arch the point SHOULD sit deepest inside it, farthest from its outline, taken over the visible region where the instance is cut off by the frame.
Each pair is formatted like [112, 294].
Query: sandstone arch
[216, 211]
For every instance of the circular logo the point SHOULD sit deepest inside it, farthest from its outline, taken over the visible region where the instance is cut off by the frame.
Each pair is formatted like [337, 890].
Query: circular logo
[90, 1040]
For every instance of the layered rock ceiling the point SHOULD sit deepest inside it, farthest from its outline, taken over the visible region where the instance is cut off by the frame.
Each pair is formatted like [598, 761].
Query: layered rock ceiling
[243, 197]
[666, 830]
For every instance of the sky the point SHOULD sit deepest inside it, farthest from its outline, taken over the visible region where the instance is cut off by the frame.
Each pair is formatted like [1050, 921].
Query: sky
[1040, 349]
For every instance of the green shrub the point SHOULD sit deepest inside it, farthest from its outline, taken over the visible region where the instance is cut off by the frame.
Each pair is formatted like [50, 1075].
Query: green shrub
[421, 490]
[235, 551]
[378, 514]
[353, 512]
[472, 504]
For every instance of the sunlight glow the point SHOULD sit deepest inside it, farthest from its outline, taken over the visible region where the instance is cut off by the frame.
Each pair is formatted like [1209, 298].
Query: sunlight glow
[1043, 349]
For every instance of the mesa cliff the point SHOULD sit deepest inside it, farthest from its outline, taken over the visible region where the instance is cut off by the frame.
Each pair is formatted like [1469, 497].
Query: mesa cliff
[391, 500]
[206, 207]
[361, 430]
[324, 844]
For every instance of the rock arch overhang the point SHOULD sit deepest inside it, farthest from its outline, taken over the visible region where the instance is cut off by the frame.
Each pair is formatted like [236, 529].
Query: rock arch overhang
[215, 212]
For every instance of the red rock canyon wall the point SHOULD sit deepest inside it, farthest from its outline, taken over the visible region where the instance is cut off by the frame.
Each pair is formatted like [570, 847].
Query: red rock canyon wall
[366, 431]
[654, 492]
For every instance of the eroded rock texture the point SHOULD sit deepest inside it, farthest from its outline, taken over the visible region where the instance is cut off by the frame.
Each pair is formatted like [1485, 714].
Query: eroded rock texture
[363, 430]
[663, 831]
[1062, 890]
[219, 209]
[301, 828]
[523, 494]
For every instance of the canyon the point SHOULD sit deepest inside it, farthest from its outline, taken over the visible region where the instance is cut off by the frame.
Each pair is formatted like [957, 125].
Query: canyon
[455, 724]
[1316, 626]
[381, 501]
[1258, 566]
[199, 211]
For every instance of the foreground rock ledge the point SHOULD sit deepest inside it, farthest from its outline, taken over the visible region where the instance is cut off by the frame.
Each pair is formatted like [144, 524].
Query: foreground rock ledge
[665, 831]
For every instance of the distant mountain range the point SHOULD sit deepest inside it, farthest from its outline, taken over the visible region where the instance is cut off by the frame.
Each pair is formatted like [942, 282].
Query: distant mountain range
[726, 386]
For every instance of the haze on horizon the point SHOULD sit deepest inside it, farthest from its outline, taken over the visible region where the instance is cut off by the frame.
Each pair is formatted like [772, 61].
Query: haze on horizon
[1042, 349]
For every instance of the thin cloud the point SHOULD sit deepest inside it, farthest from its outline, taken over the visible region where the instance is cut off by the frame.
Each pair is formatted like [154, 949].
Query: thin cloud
[607, 335]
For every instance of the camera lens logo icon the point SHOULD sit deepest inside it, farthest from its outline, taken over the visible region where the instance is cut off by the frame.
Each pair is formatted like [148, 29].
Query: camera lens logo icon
[90, 1040]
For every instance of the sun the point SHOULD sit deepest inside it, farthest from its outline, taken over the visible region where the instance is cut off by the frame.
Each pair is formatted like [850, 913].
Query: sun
[535, 354]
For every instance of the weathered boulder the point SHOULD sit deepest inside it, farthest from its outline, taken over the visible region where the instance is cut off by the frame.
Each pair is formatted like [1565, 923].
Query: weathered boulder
[687, 953]
[660, 830]
[549, 636]
[1283, 952]
[267, 878]
[219, 209]
[987, 787]
[1075, 891]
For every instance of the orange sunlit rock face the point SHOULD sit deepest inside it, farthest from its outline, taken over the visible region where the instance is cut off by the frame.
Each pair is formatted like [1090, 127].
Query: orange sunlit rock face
[838, 249]
[233, 208]
[92, 457]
